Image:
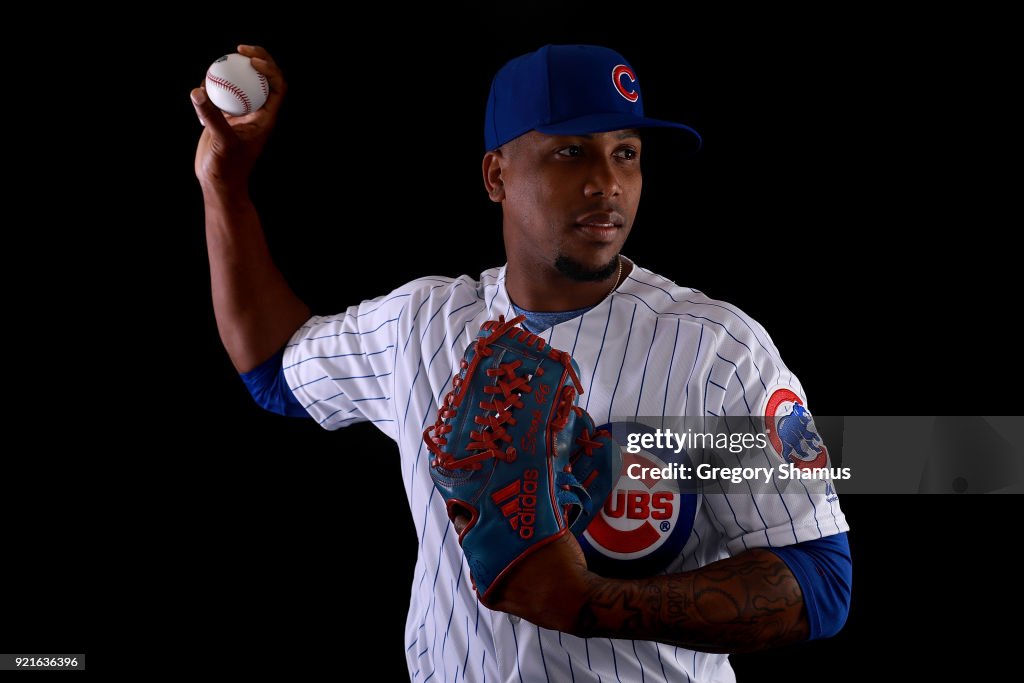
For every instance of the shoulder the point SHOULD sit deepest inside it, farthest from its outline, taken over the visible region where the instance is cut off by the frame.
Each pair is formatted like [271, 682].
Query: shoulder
[723, 322]
[435, 290]
[412, 303]
[733, 348]
[436, 302]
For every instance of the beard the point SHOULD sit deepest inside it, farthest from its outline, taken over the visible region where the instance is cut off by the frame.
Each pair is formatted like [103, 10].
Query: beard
[574, 270]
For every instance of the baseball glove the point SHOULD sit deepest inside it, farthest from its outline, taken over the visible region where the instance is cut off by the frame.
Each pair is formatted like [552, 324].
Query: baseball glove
[507, 447]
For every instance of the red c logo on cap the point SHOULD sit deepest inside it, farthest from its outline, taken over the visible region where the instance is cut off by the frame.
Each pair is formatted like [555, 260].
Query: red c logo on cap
[617, 73]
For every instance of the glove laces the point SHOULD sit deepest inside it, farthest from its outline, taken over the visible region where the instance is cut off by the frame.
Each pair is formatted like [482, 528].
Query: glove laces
[507, 392]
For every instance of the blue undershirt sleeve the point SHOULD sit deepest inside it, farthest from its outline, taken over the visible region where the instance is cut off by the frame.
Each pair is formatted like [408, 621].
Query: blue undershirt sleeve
[269, 388]
[824, 569]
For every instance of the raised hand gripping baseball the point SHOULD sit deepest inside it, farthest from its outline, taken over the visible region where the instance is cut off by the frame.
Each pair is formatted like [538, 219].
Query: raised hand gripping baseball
[518, 462]
[229, 145]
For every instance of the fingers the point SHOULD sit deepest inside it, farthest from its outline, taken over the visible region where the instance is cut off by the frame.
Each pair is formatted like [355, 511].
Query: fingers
[255, 51]
[265, 64]
[209, 115]
[460, 521]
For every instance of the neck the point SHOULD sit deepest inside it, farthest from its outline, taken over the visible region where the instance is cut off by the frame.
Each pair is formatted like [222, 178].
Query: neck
[547, 290]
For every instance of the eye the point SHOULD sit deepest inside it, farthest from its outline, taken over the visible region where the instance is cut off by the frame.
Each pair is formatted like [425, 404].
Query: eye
[628, 153]
[571, 151]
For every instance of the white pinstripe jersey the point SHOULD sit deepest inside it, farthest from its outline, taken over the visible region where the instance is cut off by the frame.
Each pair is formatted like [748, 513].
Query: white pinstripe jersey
[651, 348]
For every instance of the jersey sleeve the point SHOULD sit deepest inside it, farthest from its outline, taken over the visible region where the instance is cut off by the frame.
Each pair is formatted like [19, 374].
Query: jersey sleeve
[749, 380]
[824, 569]
[341, 367]
[269, 388]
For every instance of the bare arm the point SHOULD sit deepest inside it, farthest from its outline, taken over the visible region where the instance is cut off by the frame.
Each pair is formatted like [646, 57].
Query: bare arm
[256, 310]
[747, 602]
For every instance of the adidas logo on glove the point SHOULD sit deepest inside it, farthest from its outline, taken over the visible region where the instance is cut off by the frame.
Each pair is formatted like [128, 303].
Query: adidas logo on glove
[518, 502]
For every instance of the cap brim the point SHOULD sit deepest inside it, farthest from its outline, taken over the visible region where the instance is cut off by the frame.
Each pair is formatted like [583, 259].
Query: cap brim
[601, 123]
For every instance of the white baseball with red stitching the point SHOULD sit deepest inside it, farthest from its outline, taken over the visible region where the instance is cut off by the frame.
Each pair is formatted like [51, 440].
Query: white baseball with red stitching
[235, 86]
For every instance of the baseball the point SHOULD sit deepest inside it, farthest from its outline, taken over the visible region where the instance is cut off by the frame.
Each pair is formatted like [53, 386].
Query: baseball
[234, 86]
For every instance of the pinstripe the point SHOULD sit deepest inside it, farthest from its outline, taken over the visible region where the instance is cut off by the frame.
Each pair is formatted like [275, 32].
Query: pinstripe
[543, 661]
[643, 376]
[359, 314]
[515, 638]
[618, 378]
[419, 366]
[643, 676]
[451, 614]
[469, 646]
[657, 648]
[576, 340]
[604, 335]
[753, 498]
[568, 657]
[615, 660]
[668, 378]
[814, 508]
[312, 381]
[343, 332]
[416, 315]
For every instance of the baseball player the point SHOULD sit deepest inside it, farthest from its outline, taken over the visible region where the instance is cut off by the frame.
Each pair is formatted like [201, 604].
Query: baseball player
[662, 583]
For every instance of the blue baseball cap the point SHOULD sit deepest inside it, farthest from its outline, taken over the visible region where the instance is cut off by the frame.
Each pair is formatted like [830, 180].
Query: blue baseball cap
[567, 90]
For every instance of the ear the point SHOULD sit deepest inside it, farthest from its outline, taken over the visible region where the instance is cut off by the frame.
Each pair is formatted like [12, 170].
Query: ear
[493, 182]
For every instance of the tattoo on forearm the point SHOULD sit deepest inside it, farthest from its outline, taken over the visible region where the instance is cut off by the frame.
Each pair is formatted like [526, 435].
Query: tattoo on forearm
[747, 602]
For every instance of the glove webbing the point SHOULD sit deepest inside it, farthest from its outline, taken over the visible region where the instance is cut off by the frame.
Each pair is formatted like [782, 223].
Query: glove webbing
[511, 387]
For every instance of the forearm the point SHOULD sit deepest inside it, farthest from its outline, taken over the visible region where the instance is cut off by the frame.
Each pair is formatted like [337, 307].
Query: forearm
[747, 602]
[256, 310]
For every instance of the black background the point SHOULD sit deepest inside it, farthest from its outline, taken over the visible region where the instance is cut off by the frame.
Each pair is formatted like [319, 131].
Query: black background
[850, 196]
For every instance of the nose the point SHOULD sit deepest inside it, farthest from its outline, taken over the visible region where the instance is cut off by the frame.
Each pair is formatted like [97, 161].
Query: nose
[603, 179]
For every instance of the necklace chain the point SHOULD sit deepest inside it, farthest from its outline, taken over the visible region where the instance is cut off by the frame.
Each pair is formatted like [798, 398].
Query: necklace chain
[618, 277]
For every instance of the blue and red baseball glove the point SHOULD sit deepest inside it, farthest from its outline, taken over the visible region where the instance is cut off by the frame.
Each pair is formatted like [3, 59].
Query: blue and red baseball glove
[514, 456]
